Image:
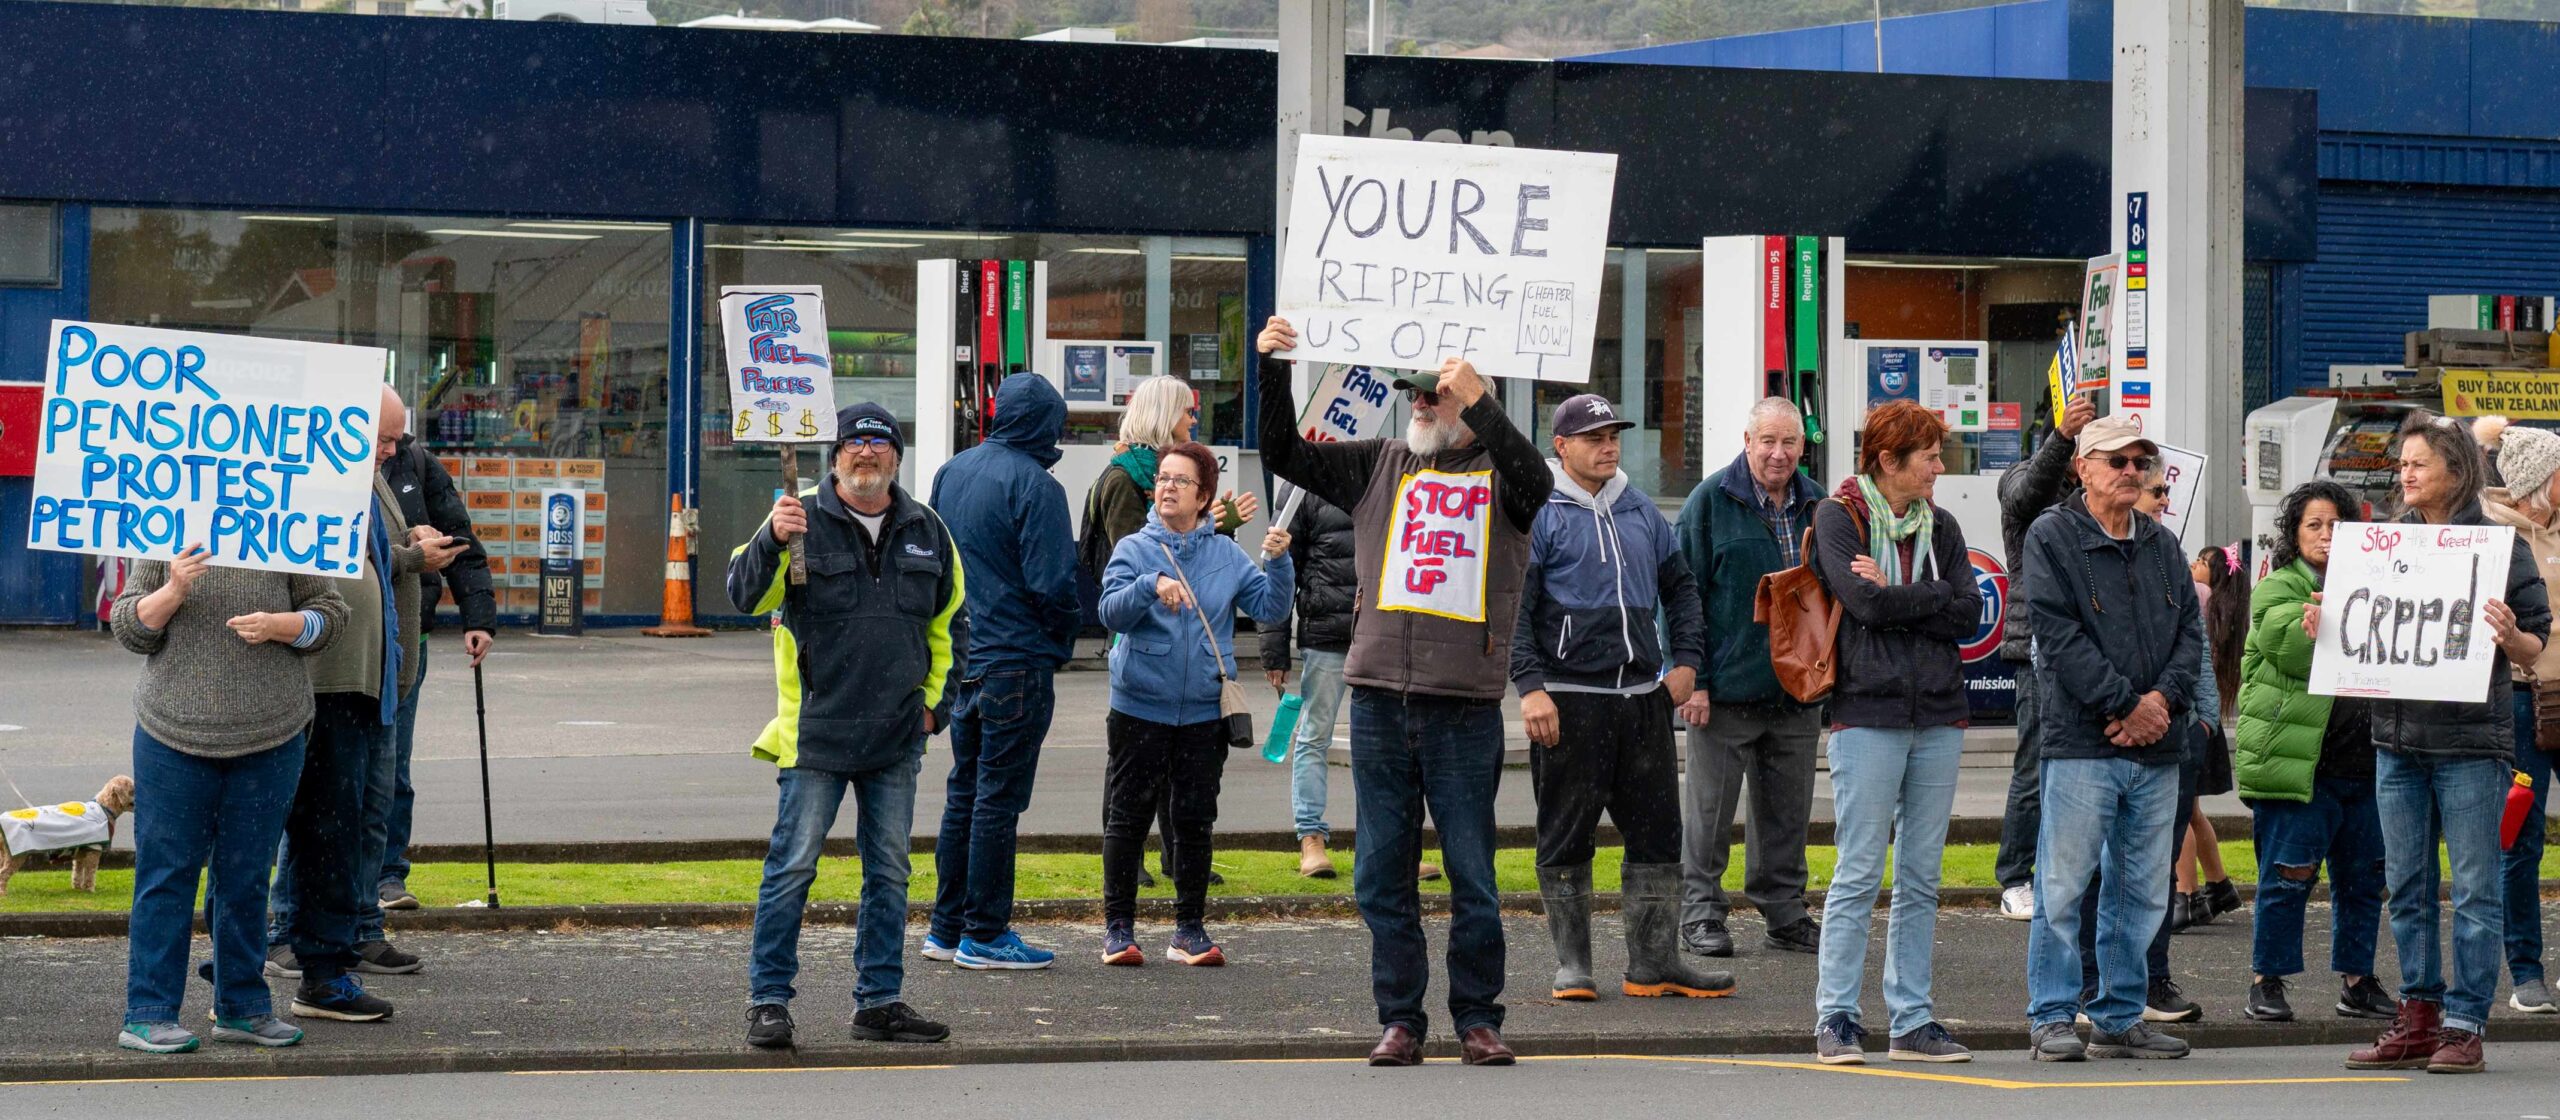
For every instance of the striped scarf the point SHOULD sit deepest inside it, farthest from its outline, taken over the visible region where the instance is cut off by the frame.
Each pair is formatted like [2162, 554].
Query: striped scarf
[1918, 524]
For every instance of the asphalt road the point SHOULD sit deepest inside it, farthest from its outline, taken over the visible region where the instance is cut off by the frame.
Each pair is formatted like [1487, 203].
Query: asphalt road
[2233, 1084]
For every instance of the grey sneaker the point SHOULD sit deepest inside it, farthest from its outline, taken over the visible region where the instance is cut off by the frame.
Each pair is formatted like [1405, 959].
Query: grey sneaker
[156, 1038]
[1836, 1041]
[1928, 1042]
[282, 964]
[265, 1030]
[2533, 997]
[382, 958]
[2137, 1041]
[395, 895]
[2055, 1042]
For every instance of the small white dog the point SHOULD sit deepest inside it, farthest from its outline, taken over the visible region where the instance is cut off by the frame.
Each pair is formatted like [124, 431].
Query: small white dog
[76, 832]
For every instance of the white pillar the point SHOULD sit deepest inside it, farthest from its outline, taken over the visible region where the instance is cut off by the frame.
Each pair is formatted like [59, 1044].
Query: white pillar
[1311, 45]
[2177, 219]
[1160, 297]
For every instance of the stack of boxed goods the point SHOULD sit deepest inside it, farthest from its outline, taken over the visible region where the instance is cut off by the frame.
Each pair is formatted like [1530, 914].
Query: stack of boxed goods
[504, 495]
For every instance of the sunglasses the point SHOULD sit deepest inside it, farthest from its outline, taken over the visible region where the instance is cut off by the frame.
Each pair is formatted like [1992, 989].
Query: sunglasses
[2157, 491]
[1422, 396]
[2142, 463]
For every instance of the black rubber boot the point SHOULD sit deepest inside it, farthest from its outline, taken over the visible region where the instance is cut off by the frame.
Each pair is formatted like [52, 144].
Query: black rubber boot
[1566, 893]
[1652, 911]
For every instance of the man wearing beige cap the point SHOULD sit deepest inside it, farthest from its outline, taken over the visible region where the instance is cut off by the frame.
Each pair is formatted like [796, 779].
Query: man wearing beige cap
[2529, 461]
[2117, 644]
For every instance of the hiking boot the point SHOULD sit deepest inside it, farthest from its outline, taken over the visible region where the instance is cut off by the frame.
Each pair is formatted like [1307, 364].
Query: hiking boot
[2412, 1040]
[2137, 1041]
[382, 959]
[264, 1030]
[1313, 861]
[2267, 1003]
[1120, 946]
[1565, 894]
[282, 964]
[157, 1038]
[2458, 1051]
[937, 949]
[769, 1026]
[896, 1022]
[2533, 997]
[2055, 1042]
[1837, 1041]
[2166, 1004]
[2018, 903]
[1707, 937]
[1928, 1042]
[341, 999]
[1006, 953]
[1191, 946]
[395, 895]
[1649, 904]
[2221, 897]
[2365, 999]
[1803, 935]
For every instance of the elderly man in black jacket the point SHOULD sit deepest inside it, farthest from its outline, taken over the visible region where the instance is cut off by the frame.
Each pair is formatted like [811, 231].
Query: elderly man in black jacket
[2027, 489]
[427, 497]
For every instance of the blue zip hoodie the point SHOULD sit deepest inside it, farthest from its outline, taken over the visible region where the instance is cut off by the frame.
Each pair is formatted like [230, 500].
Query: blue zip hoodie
[1009, 518]
[1157, 673]
[1600, 566]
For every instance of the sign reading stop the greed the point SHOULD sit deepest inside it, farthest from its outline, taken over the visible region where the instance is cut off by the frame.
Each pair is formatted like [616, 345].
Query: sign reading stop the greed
[2400, 612]
[1437, 545]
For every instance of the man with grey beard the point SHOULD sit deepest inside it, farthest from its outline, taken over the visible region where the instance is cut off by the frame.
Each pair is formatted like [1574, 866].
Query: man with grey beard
[863, 655]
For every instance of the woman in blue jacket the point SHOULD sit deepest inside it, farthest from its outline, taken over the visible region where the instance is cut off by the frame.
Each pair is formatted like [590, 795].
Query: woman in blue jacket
[1173, 589]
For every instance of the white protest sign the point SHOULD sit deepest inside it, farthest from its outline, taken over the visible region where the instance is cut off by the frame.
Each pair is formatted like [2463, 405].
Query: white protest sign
[2400, 612]
[259, 449]
[781, 378]
[1402, 253]
[1438, 540]
[1349, 403]
[2183, 471]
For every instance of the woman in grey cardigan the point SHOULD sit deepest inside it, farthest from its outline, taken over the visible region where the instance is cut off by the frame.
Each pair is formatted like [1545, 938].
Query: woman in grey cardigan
[217, 752]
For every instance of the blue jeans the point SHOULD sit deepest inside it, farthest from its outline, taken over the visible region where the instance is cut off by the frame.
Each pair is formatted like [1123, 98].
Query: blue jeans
[997, 724]
[2339, 826]
[1409, 752]
[884, 813]
[1889, 785]
[2459, 800]
[404, 798]
[2522, 865]
[324, 883]
[1320, 700]
[190, 812]
[2108, 817]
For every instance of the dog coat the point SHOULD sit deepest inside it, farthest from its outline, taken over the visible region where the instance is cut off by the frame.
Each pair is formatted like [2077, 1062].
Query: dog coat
[69, 827]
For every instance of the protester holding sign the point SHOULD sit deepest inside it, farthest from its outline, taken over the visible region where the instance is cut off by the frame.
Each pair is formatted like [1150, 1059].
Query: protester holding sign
[2303, 764]
[1898, 565]
[1172, 590]
[2529, 460]
[217, 749]
[2442, 770]
[1442, 518]
[2027, 489]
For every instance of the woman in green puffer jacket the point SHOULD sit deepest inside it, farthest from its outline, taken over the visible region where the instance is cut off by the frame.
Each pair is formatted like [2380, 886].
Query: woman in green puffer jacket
[2304, 766]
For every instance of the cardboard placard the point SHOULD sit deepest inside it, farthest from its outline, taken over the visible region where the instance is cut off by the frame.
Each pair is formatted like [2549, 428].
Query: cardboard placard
[2183, 470]
[2400, 611]
[781, 376]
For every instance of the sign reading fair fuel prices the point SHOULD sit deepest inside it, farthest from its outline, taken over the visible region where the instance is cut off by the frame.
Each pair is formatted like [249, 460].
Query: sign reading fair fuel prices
[1402, 254]
[781, 377]
[156, 441]
[2400, 615]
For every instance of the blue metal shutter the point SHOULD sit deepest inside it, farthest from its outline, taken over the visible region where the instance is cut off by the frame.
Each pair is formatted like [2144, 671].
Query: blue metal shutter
[2384, 250]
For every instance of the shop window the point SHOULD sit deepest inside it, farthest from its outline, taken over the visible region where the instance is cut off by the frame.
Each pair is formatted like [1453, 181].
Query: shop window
[30, 244]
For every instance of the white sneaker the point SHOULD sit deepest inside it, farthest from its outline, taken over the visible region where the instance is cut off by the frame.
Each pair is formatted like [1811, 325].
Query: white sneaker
[2018, 903]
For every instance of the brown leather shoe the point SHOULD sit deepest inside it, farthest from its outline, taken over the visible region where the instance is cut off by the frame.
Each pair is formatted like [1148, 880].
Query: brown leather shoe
[2410, 1043]
[2458, 1051]
[1483, 1047]
[1397, 1047]
[1313, 862]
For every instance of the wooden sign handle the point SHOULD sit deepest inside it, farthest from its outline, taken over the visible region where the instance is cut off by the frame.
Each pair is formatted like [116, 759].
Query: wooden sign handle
[799, 558]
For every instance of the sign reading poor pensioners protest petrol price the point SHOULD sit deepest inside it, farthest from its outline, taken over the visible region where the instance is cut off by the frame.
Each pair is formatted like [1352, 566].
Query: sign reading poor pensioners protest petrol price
[153, 441]
[1404, 253]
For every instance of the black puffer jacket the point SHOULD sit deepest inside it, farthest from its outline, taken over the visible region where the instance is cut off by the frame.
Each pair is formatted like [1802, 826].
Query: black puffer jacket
[1322, 547]
[1898, 661]
[2028, 488]
[2452, 729]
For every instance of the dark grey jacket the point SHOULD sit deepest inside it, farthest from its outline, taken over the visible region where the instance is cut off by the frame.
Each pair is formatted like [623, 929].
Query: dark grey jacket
[2452, 729]
[2112, 620]
[2028, 488]
[1898, 661]
[1322, 548]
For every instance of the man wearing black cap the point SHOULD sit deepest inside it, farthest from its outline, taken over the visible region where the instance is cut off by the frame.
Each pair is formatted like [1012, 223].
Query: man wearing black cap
[1589, 668]
[862, 656]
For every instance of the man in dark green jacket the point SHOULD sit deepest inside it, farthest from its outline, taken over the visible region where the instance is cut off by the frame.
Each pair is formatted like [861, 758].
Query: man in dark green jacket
[1741, 523]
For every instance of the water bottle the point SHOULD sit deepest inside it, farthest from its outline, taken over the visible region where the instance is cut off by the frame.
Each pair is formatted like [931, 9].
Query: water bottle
[2519, 808]
[1284, 727]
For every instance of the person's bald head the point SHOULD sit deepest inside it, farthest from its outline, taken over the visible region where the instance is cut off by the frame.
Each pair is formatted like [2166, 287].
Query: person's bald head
[390, 422]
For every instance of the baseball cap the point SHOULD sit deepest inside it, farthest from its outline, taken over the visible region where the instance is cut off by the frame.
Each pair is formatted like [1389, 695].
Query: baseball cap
[868, 419]
[2110, 433]
[1425, 380]
[1589, 412]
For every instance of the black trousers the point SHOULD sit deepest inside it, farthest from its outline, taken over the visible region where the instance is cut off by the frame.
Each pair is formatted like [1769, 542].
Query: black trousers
[1612, 753]
[1152, 763]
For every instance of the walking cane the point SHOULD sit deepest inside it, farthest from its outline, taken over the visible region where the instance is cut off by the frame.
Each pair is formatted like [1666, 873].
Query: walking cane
[488, 826]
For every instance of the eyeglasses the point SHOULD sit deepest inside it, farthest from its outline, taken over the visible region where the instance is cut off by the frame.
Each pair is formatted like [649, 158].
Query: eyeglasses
[869, 443]
[1177, 482]
[2142, 463]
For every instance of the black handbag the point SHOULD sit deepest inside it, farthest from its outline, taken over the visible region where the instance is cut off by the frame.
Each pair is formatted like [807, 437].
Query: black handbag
[2216, 777]
[1235, 718]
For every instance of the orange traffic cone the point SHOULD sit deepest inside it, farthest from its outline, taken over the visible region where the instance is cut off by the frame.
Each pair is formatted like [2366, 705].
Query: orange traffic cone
[676, 610]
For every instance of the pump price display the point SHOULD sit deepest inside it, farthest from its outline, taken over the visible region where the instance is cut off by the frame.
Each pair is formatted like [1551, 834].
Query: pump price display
[2400, 615]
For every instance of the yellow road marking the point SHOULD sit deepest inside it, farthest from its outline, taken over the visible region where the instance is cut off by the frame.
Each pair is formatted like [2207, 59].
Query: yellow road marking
[1958, 1079]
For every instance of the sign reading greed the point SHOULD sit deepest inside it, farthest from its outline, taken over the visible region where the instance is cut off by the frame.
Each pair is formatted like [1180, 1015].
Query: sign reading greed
[154, 441]
[2400, 616]
[1403, 253]
[781, 377]
[1437, 544]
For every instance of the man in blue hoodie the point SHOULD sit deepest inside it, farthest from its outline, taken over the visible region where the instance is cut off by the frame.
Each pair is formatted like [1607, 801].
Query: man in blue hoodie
[1009, 518]
[1589, 667]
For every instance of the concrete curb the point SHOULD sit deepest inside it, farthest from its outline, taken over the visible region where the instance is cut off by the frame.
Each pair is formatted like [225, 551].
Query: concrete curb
[114, 1066]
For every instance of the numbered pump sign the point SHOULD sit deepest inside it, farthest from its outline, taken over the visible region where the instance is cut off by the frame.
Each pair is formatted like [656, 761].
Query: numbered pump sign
[2400, 615]
[781, 375]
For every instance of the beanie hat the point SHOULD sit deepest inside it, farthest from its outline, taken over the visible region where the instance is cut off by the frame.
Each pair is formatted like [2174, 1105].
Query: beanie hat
[868, 419]
[2526, 458]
